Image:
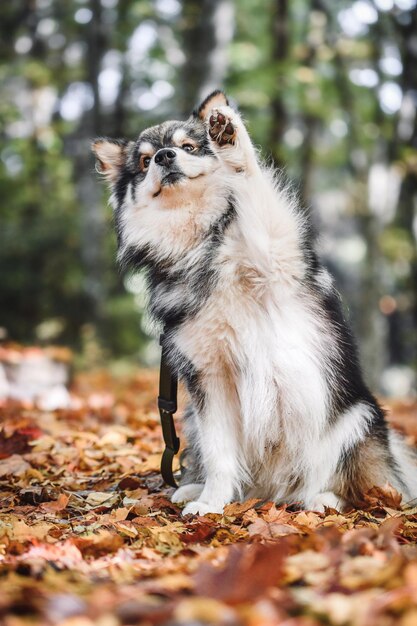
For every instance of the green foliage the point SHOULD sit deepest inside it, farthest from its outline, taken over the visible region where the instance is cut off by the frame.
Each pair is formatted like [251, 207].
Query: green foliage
[310, 89]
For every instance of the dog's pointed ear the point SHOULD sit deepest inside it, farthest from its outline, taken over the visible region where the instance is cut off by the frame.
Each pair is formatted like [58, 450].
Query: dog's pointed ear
[215, 99]
[110, 157]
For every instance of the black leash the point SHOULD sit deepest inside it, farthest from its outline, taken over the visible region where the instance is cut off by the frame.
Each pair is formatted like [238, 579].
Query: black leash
[167, 405]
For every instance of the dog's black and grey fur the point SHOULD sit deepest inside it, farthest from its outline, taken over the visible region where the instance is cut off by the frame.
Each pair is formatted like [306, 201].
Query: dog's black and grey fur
[278, 405]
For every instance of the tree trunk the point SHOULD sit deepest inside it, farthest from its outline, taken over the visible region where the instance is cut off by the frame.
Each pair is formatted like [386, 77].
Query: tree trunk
[92, 220]
[407, 133]
[280, 46]
[207, 29]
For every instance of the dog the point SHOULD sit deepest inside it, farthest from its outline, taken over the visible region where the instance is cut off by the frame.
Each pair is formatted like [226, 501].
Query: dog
[253, 323]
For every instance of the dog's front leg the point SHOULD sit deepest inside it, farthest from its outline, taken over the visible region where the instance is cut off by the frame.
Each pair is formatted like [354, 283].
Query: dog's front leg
[231, 141]
[219, 449]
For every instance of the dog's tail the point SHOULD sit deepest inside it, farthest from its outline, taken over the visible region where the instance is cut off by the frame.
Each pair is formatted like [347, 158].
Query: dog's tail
[405, 472]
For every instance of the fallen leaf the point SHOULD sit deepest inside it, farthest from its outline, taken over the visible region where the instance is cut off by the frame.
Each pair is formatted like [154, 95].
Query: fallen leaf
[15, 465]
[236, 509]
[385, 496]
[97, 498]
[204, 610]
[272, 529]
[103, 542]
[247, 572]
[57, 505]
[20, 531]
[18, 441]
[198, 531]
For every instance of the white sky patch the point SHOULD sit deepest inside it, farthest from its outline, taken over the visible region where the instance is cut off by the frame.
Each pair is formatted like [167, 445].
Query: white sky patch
[12, 161]
[175, 56]
[83, 15]
[384, 5]
[44, 101]
[406, 5]
[19, 129]
[366, 77]
[74, 53]
[390, 97]
[338, 128]
[23, 44]
[293, 137]
[46, 27]
[168, 8]
[147, 101]
[140, 42]
[162, 89]
[391, 66]
[407, 117]
[109, 4]
[109, 83]
[159, 70]
[351, 25]
[365, 12]
[110, 77]
[351, 250]
[77, 99]
[384, 184]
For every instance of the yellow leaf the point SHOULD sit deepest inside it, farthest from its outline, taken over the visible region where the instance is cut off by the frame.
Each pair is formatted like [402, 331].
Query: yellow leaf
[20, 531]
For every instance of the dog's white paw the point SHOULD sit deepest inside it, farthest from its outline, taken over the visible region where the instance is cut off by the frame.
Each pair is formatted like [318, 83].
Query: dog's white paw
[187, 493]
[326, 499]
[201, 508]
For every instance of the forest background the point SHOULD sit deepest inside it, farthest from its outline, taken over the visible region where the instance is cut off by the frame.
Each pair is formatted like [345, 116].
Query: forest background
[329, 91]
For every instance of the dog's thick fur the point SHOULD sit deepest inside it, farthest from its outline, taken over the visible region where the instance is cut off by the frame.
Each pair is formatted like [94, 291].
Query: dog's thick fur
[278, 406]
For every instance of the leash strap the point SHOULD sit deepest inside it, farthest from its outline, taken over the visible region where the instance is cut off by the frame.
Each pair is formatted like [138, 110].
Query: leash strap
[167, 405]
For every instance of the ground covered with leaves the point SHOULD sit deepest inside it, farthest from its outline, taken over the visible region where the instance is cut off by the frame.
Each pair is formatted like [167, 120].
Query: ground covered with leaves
[88, 534]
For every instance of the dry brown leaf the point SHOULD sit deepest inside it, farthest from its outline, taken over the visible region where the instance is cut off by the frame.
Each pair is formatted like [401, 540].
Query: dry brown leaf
[95, 545]
[204, 610]
[20, 531]
[119, 551]
[97, 498]
[236, 509]
[247, 572]
[57, 505]
[14, 465]
[385, 496]
[307, 520]
[272, 529]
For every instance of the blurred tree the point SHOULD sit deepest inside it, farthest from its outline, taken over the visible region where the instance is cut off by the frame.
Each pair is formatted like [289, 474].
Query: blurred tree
[328, 90]
[90, 125]
[280, 51]
[404, 148]
[206, 31]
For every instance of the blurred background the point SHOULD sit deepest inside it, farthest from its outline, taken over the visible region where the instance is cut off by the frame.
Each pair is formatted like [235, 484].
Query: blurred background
[329, 91]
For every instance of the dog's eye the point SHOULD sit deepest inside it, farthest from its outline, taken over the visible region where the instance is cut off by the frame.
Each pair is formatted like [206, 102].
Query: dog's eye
[144, 162]
[188, 147]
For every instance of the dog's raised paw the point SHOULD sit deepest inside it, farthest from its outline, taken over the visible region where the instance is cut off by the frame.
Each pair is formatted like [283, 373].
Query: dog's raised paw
[221, 128]
[201, 508]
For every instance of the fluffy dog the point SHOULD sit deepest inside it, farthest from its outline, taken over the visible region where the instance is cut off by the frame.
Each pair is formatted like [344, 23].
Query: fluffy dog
[254, 326]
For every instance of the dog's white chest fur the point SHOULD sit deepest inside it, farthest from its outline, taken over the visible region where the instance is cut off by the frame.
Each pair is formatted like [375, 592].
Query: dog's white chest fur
[258, 344]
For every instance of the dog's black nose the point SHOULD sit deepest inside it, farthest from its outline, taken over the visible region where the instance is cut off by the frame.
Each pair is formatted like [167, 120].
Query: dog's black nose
[165, 157]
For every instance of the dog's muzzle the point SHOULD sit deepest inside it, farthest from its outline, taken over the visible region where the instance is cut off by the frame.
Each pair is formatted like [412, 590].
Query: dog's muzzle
[165, 157]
